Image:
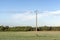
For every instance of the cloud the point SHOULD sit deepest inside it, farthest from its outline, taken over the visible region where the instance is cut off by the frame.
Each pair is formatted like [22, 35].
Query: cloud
[44, 18]
[29, 15]
[52, 12]
[28, 18]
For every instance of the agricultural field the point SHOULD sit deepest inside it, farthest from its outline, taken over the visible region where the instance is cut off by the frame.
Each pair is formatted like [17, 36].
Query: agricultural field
[41, 35]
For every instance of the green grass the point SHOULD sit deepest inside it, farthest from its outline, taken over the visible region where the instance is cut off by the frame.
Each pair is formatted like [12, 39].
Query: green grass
[43, 35]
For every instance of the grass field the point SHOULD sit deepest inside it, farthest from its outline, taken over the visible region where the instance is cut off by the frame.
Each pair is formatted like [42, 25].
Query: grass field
[43, 35]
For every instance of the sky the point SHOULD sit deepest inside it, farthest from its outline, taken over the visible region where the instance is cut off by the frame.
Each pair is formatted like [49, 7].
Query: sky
[22, 12]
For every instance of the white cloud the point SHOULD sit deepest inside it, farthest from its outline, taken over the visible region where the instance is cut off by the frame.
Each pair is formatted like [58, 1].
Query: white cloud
[50, 13]
[29, 15]
[28, 18]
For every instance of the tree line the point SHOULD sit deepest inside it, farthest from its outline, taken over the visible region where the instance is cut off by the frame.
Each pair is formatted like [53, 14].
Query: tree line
[30, 28]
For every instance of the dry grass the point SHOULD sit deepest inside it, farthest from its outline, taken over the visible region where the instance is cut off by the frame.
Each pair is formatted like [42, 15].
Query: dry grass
[32, 35]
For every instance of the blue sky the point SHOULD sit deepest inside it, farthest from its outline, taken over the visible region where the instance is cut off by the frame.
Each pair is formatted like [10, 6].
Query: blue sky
[21, 12]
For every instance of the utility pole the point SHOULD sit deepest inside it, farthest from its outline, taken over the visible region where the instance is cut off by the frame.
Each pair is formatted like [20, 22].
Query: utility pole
[36, 20]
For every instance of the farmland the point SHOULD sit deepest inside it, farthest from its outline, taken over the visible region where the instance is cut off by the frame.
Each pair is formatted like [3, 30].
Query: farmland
[32, 35]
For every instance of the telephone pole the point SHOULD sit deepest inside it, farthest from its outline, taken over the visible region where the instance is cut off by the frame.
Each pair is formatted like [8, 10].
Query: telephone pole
[36, 20]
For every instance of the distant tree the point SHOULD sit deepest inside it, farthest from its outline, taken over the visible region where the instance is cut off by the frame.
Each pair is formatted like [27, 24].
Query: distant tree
[50, 29]
[2, 28]
[6, 28]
